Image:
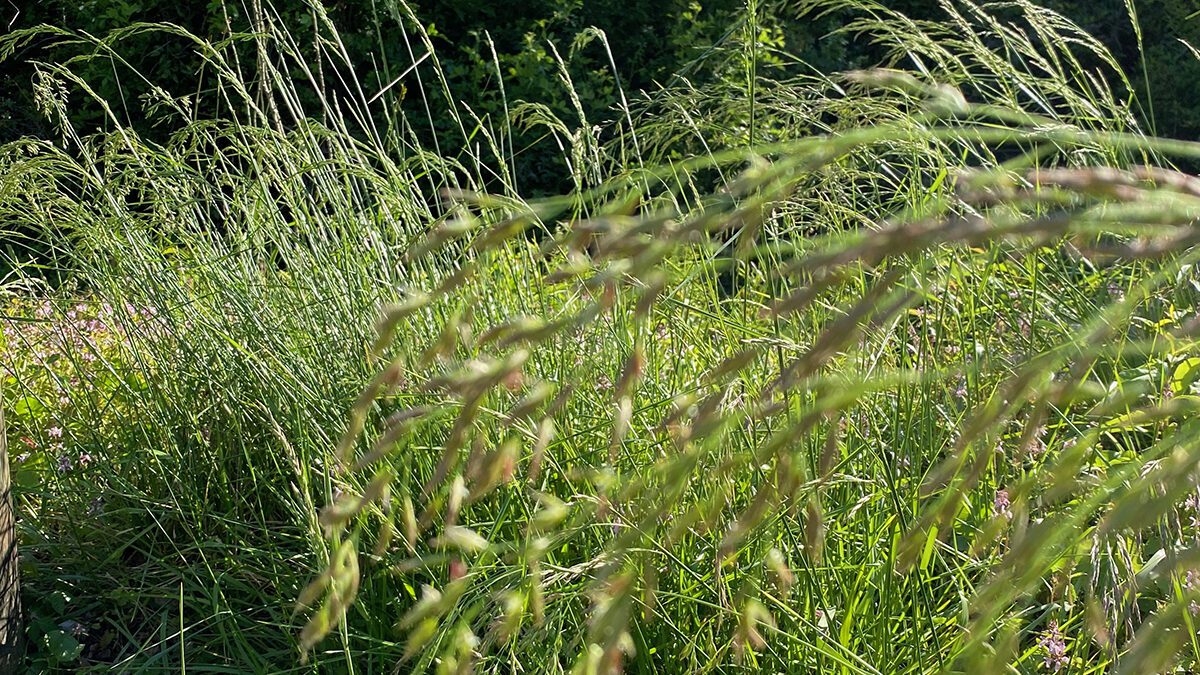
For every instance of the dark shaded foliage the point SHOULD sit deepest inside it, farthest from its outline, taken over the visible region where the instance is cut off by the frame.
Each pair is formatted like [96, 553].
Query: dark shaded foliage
[650, 42]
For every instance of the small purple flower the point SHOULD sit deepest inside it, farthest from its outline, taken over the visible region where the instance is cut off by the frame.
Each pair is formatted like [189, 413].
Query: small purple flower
[22, 458]
[1001, 504]
[54, 432]
[85, 459]
[65, 464]
[1191, 508]
[1037, 447]
[1055, 647]
[1191, 583]
[96, 507]
[1115, 290]
[960, 392]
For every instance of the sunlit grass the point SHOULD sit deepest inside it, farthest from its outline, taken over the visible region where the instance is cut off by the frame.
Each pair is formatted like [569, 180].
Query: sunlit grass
[905, 386]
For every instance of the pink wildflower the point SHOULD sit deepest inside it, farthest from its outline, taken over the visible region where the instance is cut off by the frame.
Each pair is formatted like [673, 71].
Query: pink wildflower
[1001, 503]
[1055, 647]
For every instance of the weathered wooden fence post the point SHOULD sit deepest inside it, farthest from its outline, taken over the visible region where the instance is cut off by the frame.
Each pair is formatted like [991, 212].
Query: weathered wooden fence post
[11, 634]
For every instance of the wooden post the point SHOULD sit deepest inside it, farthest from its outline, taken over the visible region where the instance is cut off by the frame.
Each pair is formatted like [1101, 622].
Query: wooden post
[11, 634]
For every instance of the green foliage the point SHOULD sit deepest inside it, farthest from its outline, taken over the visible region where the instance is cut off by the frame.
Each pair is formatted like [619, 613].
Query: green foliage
[1154, 54]
[54, 644]
[478, 45]
[887, 371]
[482, 46]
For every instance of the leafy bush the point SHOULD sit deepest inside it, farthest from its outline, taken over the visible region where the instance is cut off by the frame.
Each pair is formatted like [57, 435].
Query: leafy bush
[491, 56]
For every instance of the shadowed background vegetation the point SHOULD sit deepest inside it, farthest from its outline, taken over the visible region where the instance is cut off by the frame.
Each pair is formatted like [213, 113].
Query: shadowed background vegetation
[649, 44]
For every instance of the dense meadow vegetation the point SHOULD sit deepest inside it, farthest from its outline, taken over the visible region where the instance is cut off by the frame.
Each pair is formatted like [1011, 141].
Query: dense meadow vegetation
[876, 355]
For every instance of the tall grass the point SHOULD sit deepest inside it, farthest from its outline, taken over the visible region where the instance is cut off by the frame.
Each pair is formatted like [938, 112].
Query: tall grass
[906, 385]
